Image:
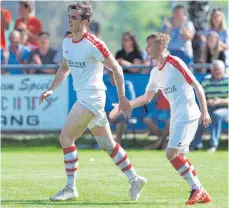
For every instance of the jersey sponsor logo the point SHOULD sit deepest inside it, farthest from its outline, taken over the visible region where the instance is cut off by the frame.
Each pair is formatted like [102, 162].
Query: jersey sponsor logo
[76, 64]
[65, 51]
[168, 90]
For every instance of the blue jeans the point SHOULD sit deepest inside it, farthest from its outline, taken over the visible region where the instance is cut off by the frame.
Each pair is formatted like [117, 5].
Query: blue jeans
[218, 115]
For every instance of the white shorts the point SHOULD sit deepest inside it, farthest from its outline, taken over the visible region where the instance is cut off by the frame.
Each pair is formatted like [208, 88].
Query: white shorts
[94, 101]
[182, 134]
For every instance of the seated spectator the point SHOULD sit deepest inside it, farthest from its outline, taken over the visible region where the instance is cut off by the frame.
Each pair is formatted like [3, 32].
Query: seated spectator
[182, 32]
[16, 53]
[213, 50]
[130, 53]
[5, 22]
[218, 25]
[24, 39]
[216, 91]
[30, 24]
[157, 121]
[44, 54]
[112, 98]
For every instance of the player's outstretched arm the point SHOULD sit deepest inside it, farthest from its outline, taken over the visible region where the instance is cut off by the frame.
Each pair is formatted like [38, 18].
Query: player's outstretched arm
[205, 118]
[139, 101]
[60, 76]
[124, 104]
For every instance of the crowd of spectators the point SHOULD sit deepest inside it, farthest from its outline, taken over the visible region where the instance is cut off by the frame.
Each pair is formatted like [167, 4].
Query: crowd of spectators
[29, 44]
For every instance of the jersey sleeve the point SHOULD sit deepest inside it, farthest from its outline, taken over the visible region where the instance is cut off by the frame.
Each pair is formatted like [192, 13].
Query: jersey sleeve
[153, 84]
[100, 51]
[183, 69]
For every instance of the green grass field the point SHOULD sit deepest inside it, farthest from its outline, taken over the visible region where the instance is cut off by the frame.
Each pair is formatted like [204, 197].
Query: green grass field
[31, 175]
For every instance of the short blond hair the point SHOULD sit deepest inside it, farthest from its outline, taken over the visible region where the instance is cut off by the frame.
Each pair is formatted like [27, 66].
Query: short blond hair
[162, 38]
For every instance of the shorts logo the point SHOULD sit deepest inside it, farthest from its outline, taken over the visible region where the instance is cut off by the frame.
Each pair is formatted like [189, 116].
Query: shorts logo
[170, 89]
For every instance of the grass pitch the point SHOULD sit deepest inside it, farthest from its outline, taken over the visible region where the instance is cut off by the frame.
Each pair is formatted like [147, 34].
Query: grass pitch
[31, 175]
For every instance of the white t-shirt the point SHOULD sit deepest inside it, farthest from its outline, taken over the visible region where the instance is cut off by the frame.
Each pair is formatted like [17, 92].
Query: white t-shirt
[174, 79]
[84, 59]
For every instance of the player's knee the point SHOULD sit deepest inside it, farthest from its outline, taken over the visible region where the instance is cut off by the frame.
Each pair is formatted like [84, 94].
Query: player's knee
[171, 153]
[146, 120]
[65, 140]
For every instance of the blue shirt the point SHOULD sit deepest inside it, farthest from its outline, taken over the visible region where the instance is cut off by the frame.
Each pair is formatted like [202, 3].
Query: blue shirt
[177, 41]
[25, 53]
[112, 93]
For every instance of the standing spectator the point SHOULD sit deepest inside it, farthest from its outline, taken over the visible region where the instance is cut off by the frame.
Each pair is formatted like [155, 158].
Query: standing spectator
[59, 55]
[182, 32]
[218, 25]
[216, 91]
[157, 121]
[16, 53]
[198, 13]
[112, 98]
[95, 28]
[130, 53]
[213, 50]
[44, 54]
[30, 24]
[5, 21]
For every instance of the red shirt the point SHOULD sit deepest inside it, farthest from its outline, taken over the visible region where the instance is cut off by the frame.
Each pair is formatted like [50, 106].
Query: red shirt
[33, 25]
[163, 102]
[7, 17]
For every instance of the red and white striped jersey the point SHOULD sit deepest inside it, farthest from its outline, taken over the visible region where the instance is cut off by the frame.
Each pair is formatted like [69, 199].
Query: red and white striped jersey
[84, 59]
[174, 79]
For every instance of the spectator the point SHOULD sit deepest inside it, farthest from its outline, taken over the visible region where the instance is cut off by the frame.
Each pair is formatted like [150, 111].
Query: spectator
[158, 121]
[59, 55]
[218, 25]
[44, 54]
[5, 21]
[182, 32]
[112, 98]
[24, 39]
[130, 53]
[216, 91]
[30, 24]
[213, 50]
[16, 53]
[95, 28]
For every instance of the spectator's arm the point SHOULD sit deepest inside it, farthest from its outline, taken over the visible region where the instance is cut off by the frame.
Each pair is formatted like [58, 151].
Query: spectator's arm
[5, 20]
[224, 101]
[188, 34]
[188, 31]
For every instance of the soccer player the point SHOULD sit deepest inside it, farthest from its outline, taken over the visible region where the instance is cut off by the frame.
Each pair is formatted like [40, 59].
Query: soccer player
[84, 56]
[175, 80]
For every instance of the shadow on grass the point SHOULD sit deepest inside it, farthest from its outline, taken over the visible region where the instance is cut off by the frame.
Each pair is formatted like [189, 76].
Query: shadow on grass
[76, 203]
[82, 143]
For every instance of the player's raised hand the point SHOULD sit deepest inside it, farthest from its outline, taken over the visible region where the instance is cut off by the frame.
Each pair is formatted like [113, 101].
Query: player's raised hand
[125, 107]
[44, 95]
[205, 119]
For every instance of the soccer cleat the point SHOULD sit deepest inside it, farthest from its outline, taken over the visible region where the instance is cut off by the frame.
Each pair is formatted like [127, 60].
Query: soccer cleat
[198, 196]
[68, 193]
[137, 185]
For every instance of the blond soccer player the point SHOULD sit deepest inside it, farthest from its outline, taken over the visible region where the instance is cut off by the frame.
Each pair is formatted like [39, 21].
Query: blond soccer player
[84, 56]
[176, 81]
